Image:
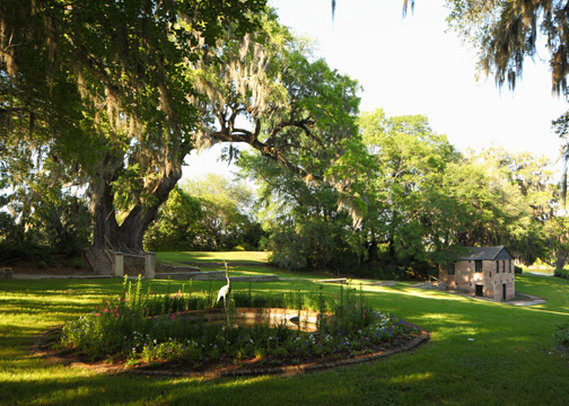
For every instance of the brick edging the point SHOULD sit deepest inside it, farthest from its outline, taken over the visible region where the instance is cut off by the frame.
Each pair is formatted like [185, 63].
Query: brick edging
[41, 349]
[290, 370]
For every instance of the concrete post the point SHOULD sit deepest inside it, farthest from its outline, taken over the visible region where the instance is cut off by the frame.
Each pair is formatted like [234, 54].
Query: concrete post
[118, 265]
[149, 265]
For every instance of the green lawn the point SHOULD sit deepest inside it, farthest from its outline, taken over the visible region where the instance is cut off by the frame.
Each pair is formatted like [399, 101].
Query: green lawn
[259, 257]
[480, 352]
[241, 263]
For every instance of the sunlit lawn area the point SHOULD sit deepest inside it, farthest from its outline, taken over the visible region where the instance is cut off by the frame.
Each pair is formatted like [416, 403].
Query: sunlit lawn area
[241, 263]
[480, 352]
[217, 256]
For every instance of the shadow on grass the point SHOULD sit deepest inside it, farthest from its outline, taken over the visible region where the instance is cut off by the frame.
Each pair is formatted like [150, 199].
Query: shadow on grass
[480, 352]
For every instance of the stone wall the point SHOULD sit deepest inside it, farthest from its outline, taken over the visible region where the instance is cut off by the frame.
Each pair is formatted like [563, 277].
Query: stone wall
[502, 278]
[107, 262]
[133, 264]
[466, 279]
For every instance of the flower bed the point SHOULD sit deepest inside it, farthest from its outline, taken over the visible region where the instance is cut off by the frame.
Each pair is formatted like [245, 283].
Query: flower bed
[148, 329]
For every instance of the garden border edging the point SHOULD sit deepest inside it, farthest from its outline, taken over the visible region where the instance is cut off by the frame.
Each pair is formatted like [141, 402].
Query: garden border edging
[41, 349]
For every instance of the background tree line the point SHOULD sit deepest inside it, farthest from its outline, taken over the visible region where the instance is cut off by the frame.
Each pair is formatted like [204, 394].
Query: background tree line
[211, 213]
[100, 102]
[418, 198]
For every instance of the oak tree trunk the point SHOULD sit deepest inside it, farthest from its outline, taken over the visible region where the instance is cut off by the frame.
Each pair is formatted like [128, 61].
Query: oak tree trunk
[128, 236]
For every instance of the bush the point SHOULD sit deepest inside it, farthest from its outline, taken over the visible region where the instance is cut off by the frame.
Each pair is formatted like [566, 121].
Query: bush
[563, 273]
[562, 335]
[13, 252]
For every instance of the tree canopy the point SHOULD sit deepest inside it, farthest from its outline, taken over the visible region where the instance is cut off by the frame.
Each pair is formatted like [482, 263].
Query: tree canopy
[107, 88]
[115, 95]
[506, 32]
[418, 197]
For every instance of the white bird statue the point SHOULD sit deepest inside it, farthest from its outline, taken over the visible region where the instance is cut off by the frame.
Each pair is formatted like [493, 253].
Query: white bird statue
[225, 289]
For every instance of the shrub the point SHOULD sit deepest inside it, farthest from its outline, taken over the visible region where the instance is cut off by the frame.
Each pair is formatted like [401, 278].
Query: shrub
[562, 273]
[562, 335]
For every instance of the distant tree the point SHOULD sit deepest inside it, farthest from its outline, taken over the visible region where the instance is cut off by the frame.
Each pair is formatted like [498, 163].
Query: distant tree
[556, 235]
[428, 198]
[494, 198]
[208, 213]
[304, 227]
[176, 225]
[226, 220]
[411, 161]
[62, 222]
[536, 181]
[36, 211]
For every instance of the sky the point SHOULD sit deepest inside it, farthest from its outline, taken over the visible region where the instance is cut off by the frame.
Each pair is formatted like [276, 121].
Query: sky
[414, 65]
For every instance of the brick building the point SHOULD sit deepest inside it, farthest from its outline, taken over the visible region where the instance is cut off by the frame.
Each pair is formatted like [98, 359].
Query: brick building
[484, 271]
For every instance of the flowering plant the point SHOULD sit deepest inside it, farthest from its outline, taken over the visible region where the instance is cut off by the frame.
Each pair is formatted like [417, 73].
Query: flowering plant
[148, 328]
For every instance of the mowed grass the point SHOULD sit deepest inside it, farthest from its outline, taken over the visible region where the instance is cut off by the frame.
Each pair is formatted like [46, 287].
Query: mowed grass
[235, 257]
[480, 352]
[241, 263]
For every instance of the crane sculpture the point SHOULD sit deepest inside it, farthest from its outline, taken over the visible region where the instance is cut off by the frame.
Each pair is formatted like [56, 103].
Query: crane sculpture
[225, 290]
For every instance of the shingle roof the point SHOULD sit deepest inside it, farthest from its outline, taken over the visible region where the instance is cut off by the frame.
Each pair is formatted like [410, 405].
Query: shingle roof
[486, 253]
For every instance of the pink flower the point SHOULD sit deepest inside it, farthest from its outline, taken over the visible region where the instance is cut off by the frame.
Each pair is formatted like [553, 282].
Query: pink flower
[106, 310]
[172, 316]
[97, 314]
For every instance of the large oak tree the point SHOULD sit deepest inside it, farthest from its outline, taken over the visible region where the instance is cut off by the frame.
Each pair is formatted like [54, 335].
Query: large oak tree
[116, 94]
[106, 88]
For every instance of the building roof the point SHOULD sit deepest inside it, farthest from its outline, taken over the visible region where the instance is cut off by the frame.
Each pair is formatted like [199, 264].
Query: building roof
[486, 254]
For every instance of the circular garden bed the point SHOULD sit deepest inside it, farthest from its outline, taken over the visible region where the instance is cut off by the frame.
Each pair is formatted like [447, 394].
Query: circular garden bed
[182, 334]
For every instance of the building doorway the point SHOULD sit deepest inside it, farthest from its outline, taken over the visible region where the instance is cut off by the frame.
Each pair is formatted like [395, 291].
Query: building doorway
[504, 292]
[479, 290]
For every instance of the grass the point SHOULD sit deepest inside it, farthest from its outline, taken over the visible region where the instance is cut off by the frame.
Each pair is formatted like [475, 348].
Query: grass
[242, 263]
[480, 352]
[259, 257]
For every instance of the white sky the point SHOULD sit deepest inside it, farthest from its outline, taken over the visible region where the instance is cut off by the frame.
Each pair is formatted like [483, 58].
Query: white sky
[412, 66]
